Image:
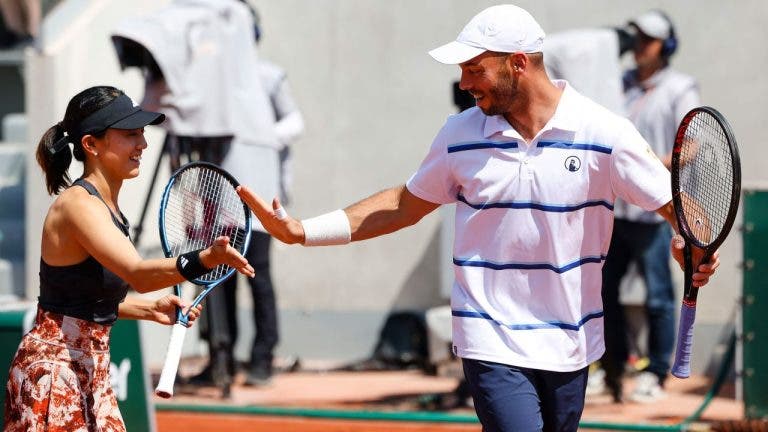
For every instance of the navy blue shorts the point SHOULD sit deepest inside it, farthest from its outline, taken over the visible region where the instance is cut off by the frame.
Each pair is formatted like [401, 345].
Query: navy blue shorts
[509, 398]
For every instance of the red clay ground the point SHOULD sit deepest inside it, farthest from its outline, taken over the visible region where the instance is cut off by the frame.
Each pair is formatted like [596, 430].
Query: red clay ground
[170, 421]
[406, 391]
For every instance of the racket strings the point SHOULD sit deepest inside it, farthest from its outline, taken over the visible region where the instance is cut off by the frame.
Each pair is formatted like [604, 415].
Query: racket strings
[202, 206]
[706, 177]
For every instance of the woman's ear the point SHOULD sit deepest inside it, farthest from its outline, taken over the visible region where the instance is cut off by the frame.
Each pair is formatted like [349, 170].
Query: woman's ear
[89, 144]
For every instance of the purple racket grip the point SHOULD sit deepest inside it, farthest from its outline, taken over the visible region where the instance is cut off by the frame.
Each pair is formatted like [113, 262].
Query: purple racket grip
[682, 366]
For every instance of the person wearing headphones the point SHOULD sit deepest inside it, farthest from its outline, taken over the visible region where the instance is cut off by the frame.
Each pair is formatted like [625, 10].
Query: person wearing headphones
[267, 170]
[288, 127]
[656, 99]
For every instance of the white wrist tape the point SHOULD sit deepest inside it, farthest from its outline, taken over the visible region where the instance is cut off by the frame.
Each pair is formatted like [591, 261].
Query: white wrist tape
[280, 213]
[328, 229]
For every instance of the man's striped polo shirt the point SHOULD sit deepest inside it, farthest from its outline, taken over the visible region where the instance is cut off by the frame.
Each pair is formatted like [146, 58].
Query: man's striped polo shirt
[533, 226]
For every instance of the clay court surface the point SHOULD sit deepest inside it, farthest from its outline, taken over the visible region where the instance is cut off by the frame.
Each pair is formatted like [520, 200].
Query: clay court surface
[402, 392]
[169, 421]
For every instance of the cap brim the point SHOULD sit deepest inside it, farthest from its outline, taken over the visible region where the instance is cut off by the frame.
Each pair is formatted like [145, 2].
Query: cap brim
[139, 119]
[455, 53]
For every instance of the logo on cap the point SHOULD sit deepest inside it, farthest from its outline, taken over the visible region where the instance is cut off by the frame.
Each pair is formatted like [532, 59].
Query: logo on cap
[490, 30]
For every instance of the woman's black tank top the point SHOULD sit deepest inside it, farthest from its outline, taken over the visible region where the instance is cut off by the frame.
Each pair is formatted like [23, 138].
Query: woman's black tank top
[86, 290]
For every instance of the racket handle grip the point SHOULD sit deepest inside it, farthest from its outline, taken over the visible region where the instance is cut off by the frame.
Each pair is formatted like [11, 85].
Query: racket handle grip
[172, 357]
[682, 366]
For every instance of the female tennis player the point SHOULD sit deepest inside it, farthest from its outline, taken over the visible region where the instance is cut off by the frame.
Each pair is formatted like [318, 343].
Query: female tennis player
[59, 378]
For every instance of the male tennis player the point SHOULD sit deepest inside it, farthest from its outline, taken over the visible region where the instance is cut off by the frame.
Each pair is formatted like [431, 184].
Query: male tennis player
[534, 170]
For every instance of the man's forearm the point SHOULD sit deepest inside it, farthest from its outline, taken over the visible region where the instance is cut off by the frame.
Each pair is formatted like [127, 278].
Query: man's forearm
[667, 211]
[386, 212]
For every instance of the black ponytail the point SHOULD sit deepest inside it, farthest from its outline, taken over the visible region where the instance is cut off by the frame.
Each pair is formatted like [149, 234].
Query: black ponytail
[55, 163]
[53, 153]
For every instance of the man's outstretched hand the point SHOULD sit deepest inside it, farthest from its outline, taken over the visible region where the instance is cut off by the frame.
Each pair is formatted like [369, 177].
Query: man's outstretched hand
[274, 218]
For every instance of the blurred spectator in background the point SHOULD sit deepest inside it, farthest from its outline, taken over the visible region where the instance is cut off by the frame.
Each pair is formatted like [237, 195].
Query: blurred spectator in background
[22, 22]
[289, 123]
[656, 99]
[201, 71]
[255, 166]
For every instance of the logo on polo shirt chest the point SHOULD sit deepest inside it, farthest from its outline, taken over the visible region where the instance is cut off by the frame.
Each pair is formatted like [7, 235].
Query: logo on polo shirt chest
[572, 163]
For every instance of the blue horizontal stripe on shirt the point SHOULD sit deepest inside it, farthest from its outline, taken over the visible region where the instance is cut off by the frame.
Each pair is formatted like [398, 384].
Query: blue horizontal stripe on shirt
[535, 326]
[575, 146]
[528, 266]
[479, 145]
[557, 208]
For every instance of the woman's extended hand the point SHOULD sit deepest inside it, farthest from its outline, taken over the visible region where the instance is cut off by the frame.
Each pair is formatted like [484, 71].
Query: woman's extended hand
[220, 252]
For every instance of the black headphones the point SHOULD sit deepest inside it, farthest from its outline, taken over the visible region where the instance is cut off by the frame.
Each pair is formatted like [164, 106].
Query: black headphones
[256, 21]
[670, 43]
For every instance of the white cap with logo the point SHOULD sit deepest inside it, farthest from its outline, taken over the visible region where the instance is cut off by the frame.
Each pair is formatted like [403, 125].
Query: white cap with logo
[654, 24]
[502, 28]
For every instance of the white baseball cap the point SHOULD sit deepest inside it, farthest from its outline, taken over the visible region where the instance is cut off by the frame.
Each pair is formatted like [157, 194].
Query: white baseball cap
[502, 28]
[654, 24]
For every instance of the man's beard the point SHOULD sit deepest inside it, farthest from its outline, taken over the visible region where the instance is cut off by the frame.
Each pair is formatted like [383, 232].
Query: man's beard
[503, 94]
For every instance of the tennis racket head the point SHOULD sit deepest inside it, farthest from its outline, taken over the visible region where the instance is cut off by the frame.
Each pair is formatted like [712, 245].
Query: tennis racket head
[706, 178]
[706, 187]
[199, 204]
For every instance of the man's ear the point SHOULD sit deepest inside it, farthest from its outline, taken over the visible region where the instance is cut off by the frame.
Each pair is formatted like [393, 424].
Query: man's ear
[517, 62]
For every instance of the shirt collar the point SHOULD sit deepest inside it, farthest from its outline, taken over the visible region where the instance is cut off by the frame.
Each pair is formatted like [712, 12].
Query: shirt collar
[563, 119]
[498, 124]
[653, 81]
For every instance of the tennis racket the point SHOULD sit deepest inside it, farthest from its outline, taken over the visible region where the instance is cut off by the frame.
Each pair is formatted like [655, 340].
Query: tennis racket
[199, 204]
[706, 187]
